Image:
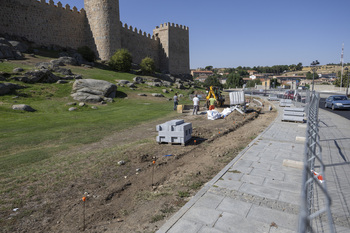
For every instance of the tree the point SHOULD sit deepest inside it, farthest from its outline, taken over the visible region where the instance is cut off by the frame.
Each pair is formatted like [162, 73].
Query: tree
[275, 83]
[252, 83]
[121, 60]
[208, 67]
[344, 82]
[212, 81]
[147, 65]
[234, 80]
[310, 75]
[299, 66]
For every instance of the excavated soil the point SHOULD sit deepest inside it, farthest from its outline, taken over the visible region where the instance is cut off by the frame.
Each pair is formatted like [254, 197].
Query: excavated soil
[140, 196]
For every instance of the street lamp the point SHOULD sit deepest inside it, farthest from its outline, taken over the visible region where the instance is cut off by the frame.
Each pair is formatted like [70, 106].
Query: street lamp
[314, 68]
[347, 85]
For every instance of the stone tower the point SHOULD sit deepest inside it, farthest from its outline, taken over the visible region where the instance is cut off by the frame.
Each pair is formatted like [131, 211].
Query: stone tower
[104, 22]
[174, 52]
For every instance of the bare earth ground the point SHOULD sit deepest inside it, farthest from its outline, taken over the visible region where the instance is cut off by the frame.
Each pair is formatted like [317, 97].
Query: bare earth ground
[128, 198]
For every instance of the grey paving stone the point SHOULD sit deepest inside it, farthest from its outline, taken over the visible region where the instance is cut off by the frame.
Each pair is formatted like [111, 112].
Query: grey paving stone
[266, 215]
[251, 179]
[206, 216]
[283, 185]
[229, 184]
[241, 169]
[234, 206]
[280, 230]
[232, 176]
[293, 176]
[260, 191]
[277, 175]
[236, 223]
[185, 226]
[210, 230]
[261, 165]
[272, 162]
[243, 163]
[290, 197]
[209, 200]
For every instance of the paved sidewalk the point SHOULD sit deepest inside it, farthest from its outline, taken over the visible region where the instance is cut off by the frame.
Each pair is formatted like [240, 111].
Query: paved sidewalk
[255, 192]
[334, 133]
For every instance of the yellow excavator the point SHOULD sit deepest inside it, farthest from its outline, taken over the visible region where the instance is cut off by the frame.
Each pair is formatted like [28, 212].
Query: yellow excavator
[216, 94]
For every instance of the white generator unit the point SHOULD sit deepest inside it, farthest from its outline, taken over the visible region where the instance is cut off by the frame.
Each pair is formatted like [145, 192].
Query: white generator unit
[174, 131]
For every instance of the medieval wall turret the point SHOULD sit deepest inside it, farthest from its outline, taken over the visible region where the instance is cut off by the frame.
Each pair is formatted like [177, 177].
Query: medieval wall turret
[174, 51]
[104, 22]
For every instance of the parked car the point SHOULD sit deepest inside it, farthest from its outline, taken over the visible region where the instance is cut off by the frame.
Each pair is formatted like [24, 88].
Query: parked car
[337, 102]
[291, 95]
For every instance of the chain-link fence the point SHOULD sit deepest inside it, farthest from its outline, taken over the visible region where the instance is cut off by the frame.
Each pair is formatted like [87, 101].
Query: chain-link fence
[313, 152]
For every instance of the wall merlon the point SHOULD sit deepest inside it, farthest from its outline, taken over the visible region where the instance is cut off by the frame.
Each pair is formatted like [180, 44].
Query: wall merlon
[168, 25]
[60, 6]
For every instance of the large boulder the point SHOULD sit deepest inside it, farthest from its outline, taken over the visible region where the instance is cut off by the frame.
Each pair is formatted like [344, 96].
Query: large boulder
[23, 107]
[21, 47]
[93, 91]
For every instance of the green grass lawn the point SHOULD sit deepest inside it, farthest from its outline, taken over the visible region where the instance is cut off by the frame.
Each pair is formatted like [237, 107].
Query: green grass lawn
[29, 138]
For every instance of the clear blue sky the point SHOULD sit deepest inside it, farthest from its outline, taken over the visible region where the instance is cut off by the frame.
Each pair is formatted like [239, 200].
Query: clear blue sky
[231, 33]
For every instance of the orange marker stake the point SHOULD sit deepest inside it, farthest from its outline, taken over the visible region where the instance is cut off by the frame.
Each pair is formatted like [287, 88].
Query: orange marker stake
[195, 142]
[84, 199]
[154, 163]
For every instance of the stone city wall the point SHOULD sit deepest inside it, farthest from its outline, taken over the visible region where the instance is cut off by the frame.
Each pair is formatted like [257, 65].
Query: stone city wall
[43, 23]
[99, 27]
[139, 44]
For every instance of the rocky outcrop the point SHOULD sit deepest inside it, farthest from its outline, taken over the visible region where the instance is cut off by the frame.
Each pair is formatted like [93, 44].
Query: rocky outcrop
[11, 49]
[7, 88]
[38, 76]
[93, 91]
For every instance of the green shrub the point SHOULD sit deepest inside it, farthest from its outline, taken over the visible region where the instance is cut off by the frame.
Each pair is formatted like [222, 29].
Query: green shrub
[121, 60]
[87, 53]
[147, 65]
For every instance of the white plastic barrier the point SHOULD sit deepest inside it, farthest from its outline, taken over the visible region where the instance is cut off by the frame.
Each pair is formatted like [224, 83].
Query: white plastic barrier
[237, 98]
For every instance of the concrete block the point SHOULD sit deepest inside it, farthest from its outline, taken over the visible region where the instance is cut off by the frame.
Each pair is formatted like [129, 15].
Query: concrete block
[300, 139]
[174, 131]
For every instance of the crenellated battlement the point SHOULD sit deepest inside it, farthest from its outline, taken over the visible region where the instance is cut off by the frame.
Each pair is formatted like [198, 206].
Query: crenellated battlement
[138, 32]
[97, 26]
[59, 6]
[167, 25]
